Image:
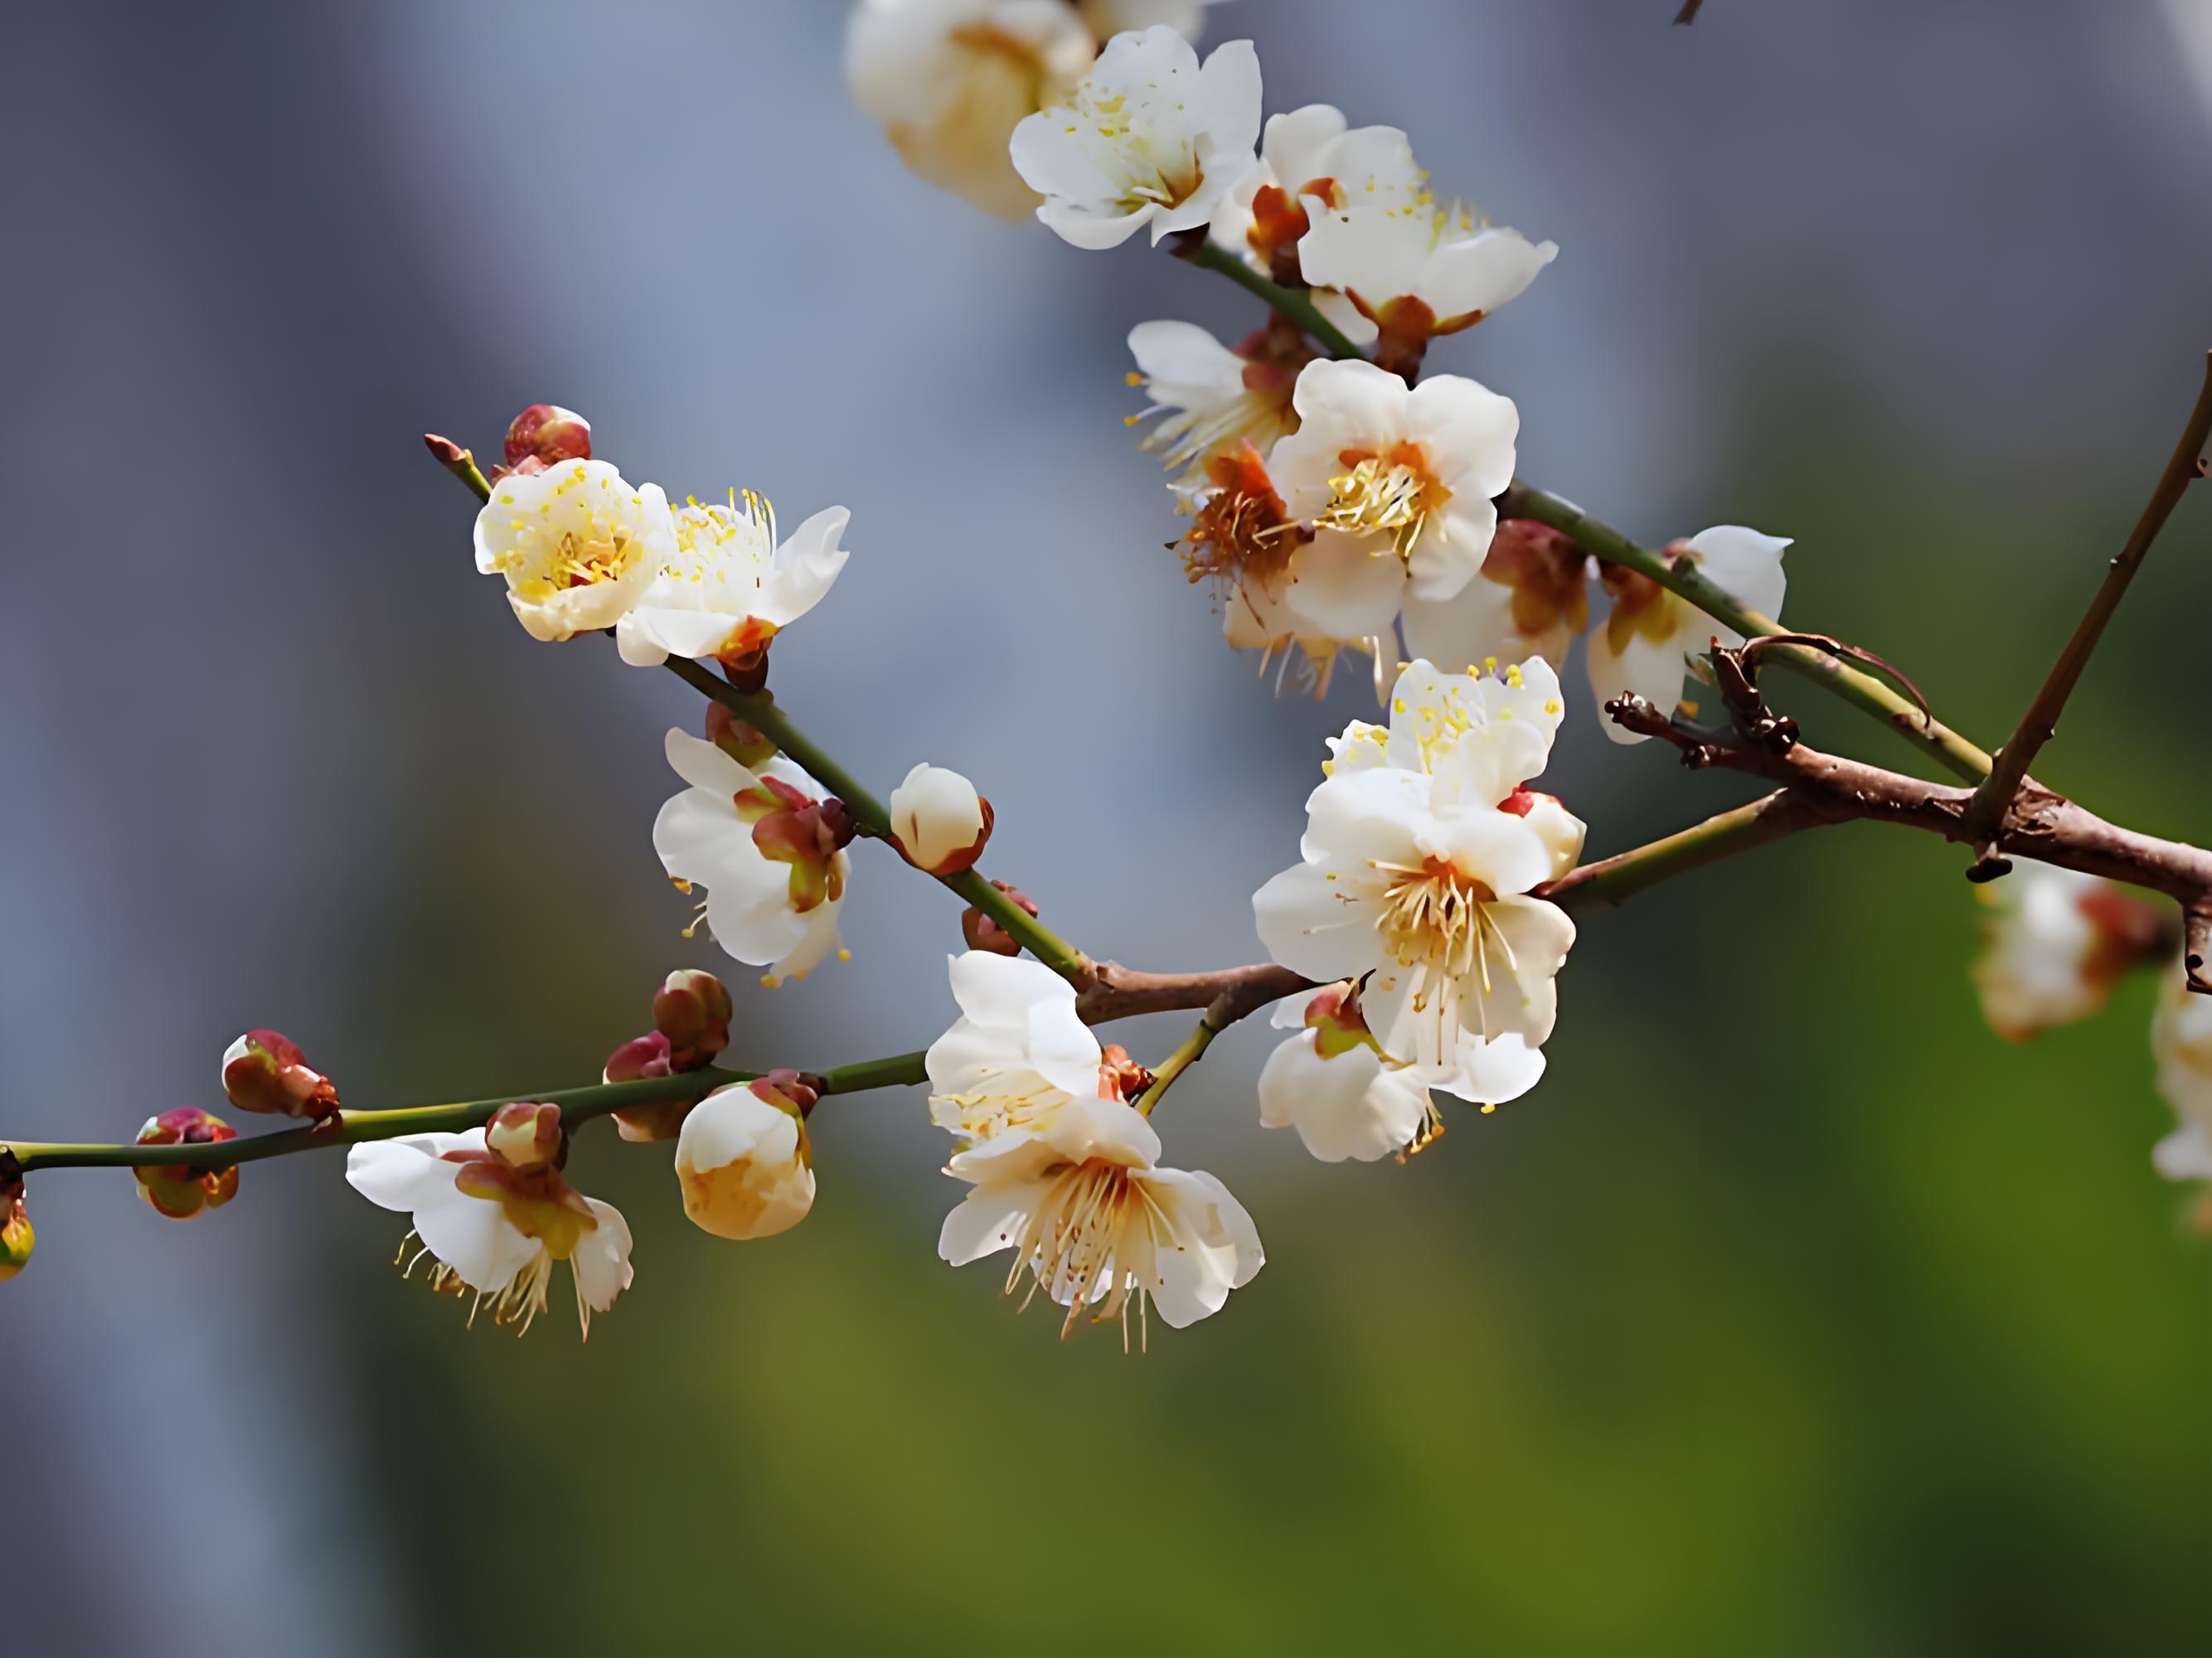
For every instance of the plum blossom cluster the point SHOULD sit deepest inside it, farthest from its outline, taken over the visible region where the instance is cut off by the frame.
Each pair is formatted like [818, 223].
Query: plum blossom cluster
[1334, 499]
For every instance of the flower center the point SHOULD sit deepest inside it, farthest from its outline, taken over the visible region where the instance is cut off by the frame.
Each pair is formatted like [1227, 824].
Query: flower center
[576, 560]
[1393, 492]
[1075, 1242]
[1433, 916]
[1242, 531]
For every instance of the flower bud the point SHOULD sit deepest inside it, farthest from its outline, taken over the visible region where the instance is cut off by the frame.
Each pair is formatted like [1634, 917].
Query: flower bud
[17, 1239]
[940, 822]
[634, 1061]
[743, 1161]
[692, 1009]
[526, 1137]
[1560, 829]
[180, 1190]
[741, 741]
[1120, 1077]
[548, 434]
[982, 932]
[265, 1070]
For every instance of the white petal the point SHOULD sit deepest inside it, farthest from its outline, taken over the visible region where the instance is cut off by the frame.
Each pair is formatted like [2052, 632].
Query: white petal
[473, 1237]
[1346, 587]
[601, 1261]
[1745, 565]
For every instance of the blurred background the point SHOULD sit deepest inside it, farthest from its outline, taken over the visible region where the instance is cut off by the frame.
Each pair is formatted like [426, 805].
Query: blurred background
[1793, 1312]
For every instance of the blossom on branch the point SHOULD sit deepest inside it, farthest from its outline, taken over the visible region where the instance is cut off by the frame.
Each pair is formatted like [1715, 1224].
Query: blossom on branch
[728, 586]
[1348, 1099]
[940, 821]
[1414, 878]
[743, 1161]
[2181, 1043]
[950, 80]
[1412, 269]
[1646, 644]
[577, 544]
[180, 1191]
[1397, 483]
[1530, 599]
[1213, 402]
[767, 845]
[1311, 152]
[2055, 942]
[1149, 137]
[492, 1214]
[1080, 1198]
[1017, 1054]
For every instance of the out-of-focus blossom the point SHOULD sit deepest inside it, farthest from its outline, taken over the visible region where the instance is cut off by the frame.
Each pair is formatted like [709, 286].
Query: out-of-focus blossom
[940, 822]
[180, 1191]
[1411, 267]
[577, 544]
[1531, 599]
[1398, 484]
[2181, 1043]
[2055, 942]
[1411, 873]
[1149, 137]
[768, 848]
[492, 1214]
[1109, 18]
[729, 587]
[743, 1161]
[1645, 648]
[950, 80]
[1017, 1055]
[1080, 1198]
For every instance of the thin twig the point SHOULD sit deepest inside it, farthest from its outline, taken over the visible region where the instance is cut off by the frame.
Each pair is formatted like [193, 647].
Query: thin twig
[2041, 723]
[1688, 14]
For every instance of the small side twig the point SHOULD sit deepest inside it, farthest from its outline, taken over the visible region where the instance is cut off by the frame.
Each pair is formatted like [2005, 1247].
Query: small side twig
[1688, 14]
[1993, 799]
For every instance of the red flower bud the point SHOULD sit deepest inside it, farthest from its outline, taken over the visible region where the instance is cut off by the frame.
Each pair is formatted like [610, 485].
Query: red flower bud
[547, 434]
[265, 1070]
[692, 1009]
[639, 1058]
[782, 1089]
[736, 739]
[179, 1190]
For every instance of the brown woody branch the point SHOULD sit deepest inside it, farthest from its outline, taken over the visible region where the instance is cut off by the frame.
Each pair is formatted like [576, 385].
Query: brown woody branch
[2041, 824]
[2039, 723]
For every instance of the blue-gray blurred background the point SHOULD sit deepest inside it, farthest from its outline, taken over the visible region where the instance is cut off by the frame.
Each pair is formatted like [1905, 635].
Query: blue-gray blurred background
[1794, 1313]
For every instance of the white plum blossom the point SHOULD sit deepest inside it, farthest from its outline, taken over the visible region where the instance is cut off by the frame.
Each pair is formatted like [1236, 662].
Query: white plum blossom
[493, 1229]
[758, 841]
[950, 80]
[1080, 1198]
[2181, 1042]
[1148, 138]
[1645, 648]
[2055, 943]
[1209, 401]
[577, 544]
[1413, 878]
[1531, 599]
[1309, 152]
[1017, 1052]
[940, 822]
[744, 1162]
[1410, 267]
[728, 586]
[1398, 484]
[1347, 1099]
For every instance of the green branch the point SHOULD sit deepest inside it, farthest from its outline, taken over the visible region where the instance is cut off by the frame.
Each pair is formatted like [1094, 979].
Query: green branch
[1862, 690]
[758, 710]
